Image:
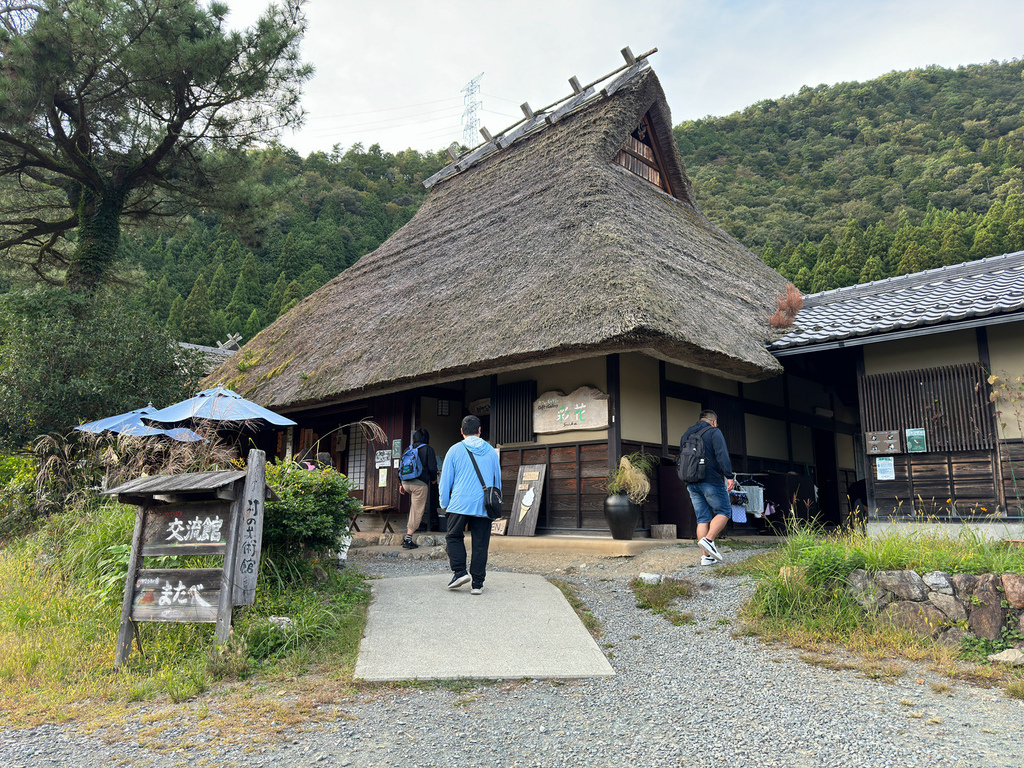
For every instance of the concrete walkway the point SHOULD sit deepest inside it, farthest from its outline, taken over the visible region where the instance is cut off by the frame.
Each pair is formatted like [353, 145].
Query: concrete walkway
[521, 626]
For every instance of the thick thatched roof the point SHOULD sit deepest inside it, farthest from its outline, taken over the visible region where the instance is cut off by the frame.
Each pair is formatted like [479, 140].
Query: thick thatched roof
[545, 250]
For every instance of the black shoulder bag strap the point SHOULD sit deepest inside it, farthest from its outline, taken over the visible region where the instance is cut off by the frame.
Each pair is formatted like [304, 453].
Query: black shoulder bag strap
[476, 467]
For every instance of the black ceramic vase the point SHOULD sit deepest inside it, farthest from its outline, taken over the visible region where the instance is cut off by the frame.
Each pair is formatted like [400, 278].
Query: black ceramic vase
[622, 515]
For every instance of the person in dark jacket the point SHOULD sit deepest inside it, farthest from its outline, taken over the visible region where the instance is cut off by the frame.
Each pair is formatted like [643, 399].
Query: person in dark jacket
[711, 496]
[419, 488]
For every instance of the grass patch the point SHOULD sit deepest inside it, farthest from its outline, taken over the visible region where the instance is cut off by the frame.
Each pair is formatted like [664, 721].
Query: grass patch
[593, 626]
[801, 598]
[60, 609]
[661, 597]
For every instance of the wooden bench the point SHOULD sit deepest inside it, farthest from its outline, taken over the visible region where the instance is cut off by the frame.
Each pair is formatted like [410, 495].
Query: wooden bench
[385, 513]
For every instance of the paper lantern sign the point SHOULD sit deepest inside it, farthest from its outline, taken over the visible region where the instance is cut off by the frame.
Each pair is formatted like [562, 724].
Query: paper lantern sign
[586, 408]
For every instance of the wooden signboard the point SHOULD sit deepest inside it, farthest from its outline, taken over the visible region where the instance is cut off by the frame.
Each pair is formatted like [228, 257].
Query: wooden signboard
[177, 594]
[171, 521]
[526, 503]
[186, 529]
[585, 408]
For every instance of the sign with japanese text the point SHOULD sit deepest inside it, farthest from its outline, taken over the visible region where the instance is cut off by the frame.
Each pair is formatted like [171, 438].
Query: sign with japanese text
[186, 529]
[585, 408]
[885, 468]
[177, 594]
[205, 513]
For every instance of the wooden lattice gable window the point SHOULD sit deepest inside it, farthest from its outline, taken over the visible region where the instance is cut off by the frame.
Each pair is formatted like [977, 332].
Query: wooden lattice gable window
[642, 155]
[950, 403]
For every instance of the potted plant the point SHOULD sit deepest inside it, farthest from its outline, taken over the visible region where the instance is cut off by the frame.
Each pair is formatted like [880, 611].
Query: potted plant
[628, 487]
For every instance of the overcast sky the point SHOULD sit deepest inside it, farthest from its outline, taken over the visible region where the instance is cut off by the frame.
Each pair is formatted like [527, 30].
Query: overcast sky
[391, 72]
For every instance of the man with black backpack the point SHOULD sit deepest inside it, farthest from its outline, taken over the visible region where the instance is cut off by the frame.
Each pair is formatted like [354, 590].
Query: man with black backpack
[703, 464]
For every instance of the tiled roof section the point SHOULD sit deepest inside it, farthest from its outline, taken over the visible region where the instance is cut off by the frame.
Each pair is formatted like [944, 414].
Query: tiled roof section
[975, 289]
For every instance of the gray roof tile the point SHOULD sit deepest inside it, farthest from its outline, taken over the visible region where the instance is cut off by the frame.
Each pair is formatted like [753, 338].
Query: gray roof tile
[974, 289]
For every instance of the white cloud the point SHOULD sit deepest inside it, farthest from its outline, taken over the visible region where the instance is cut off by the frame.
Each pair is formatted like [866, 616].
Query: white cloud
[391, 71]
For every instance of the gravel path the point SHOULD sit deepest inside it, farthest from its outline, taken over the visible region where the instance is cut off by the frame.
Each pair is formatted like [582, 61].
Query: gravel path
[690, 695]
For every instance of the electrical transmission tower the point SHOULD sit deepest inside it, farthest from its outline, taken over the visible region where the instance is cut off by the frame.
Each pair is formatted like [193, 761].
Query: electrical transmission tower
[470, 120]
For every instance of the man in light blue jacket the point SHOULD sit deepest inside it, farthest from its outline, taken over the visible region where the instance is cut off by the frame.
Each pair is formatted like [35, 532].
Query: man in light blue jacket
[462, 498]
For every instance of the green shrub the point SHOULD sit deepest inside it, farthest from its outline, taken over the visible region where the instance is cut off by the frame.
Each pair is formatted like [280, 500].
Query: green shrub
[313, 510]
[17, 487]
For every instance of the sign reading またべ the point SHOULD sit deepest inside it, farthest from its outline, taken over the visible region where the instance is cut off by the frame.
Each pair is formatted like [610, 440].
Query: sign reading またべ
[586, 408]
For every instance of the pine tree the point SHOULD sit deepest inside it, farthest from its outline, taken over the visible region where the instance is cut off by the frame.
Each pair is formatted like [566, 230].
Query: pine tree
[246, 295]
[175, 317]
[252, 326]
[276, 298]
[954, 248]
[911, 261]
[292, 296]
[196, 320]
[220, 294]
[850, 254]
[161, 297]
[873, 270]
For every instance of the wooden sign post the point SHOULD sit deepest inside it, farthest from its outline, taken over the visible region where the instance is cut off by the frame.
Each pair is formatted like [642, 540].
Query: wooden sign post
[203, 513]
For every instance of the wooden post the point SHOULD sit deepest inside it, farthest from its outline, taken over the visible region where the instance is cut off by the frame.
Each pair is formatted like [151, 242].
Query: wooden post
[224, 604]
[125, 634]
[248, 541]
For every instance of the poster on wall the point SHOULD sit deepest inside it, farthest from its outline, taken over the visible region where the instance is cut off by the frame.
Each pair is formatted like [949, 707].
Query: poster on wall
[885, 468]
[382, 458]
[916, 442]
[526, 502]
[585, 408]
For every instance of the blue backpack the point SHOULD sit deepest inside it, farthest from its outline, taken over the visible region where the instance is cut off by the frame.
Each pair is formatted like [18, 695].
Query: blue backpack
[411, 467]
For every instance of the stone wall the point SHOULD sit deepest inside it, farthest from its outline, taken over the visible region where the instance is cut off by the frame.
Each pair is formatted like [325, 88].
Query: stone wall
[945, 607]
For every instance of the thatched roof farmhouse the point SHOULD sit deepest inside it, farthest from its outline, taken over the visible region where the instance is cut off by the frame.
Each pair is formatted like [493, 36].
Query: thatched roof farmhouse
[538, 246]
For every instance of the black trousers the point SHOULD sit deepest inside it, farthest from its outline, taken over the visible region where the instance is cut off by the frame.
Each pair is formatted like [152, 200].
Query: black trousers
[480, 530]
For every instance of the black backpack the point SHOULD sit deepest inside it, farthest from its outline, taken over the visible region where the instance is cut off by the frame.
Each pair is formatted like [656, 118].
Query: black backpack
[690, 467]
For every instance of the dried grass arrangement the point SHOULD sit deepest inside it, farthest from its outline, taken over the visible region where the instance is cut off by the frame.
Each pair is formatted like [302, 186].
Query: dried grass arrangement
[632, 476]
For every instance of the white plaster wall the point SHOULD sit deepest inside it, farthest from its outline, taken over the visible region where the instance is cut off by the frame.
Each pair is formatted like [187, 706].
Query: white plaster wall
[766, 437]
[682, 414]
[700, 379]
[640, 398]
[1006, 353]
[931, 351]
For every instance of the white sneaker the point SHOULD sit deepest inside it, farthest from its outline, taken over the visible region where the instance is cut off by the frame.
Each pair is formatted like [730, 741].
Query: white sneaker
[709, 547]
[705, 560]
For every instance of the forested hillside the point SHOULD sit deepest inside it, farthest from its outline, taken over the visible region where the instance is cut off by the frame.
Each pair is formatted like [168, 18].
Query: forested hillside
[206, 281]
[860, 181]
[832, 186]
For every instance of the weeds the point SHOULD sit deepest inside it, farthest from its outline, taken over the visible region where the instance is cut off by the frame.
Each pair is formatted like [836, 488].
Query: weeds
[660, 597]
[593, 626]
[801, 597]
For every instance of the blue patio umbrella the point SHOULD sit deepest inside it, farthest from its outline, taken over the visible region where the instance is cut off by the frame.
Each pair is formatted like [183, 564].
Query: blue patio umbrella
[218, 405]
[131, 424]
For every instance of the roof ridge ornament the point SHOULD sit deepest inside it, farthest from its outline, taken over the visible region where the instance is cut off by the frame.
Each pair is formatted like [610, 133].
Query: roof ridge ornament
[548, 115]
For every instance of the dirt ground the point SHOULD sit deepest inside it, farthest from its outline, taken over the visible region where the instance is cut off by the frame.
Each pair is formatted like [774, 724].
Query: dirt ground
[663, 560]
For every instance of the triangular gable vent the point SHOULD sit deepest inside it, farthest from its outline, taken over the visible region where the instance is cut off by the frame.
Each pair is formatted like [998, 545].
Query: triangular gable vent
[642, 155]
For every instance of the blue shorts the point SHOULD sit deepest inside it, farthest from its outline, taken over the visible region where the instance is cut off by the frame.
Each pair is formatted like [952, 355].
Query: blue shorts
[709, 499]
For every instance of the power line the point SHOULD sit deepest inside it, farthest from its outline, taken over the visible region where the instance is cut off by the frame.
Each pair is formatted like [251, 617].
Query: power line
[387, 109]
